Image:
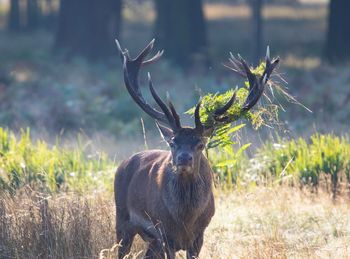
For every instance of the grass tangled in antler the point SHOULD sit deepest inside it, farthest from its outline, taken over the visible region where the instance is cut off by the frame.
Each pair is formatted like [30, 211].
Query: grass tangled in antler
[266, 114]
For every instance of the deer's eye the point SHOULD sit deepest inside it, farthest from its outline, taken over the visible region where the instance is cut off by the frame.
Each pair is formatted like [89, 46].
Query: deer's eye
[172, 144]
[200, 146]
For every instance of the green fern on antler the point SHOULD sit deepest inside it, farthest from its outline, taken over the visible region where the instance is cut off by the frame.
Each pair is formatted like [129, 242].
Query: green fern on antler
[245, 98]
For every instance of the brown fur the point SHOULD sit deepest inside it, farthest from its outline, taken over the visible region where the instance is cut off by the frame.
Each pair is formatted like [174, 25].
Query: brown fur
[168, 209]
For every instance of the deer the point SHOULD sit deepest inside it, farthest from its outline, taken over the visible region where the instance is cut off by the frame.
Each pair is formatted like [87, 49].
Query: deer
[166, 196]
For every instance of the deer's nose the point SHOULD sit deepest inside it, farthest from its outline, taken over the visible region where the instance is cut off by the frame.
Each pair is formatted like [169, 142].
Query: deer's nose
[184, 159]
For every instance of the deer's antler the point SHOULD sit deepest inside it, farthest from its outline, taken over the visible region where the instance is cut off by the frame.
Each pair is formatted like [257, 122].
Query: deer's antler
[131, 68]
[169, 116]
[256, 88]
[218, 112]
[256, 85]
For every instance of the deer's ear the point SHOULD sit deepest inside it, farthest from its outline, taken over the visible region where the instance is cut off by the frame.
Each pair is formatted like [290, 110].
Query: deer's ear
[166, 133]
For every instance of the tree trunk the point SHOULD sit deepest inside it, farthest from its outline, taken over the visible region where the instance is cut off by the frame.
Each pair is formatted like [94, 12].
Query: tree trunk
[338, 38]
[14, 20]
[49, 19]
[88, 27]
[257, 37]
[33, 14]
[181, 30]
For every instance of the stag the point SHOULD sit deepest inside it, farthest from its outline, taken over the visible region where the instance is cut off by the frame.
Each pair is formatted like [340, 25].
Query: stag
[166, 196]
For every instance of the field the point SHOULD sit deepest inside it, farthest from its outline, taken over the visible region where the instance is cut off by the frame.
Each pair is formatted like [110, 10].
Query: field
[262, 223]
[287, 195]
[57, 202]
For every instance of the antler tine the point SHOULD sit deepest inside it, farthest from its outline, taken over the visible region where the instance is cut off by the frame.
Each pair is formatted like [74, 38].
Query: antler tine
[123, 54]
[251, 77]
[270, 65]
[223, 109]
[175, 115]
[144, 53]
[162, 105]
[154, 59]
[256, 85]
[267, 53]
[131, 68]
[256, 90]
[220, 111]
[197, 119]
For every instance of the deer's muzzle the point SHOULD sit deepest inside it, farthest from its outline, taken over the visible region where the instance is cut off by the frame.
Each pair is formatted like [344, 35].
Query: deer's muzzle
[184, 162]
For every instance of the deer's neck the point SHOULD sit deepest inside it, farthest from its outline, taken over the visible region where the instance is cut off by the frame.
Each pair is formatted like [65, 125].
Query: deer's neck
[188, 194]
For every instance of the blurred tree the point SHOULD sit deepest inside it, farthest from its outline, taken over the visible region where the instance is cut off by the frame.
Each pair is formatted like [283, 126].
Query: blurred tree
[14, 19]
[48, 14]
[257, 37]
[181, 30]
[88, 27]
[33, 14]
[338, 38]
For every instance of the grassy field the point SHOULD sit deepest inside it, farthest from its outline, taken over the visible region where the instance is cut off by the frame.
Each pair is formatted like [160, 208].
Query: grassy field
[57, 202]
[262, 223]
[273, 201]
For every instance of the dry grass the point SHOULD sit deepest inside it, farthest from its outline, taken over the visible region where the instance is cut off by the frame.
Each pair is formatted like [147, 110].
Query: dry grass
[68, 226]
[279, 223]
[264, 223]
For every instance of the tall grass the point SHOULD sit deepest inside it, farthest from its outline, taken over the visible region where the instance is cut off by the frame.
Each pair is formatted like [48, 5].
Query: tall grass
[264, 223]
[40, 217]
[322, 160]
[67, 226]
[50, 168]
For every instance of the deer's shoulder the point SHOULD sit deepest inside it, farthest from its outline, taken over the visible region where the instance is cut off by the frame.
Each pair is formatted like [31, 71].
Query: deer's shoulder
[145, 159]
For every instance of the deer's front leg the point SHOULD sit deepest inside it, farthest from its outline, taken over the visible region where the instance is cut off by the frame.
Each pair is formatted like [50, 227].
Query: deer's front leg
[194, 251]
[156, 250]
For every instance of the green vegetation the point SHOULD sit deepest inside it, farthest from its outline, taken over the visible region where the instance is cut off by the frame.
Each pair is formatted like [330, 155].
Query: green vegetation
[56, 200]
[324, 161]
[210, 102]
[222, 132]
[51, 169]
[227, 164]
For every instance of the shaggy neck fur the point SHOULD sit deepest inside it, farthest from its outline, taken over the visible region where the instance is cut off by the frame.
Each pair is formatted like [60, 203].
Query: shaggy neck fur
[187, 193]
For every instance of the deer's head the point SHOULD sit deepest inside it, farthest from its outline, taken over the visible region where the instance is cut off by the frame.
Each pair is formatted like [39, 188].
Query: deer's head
[187, 143]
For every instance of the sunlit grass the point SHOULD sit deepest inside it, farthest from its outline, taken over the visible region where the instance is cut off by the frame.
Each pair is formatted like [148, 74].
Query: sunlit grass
[323, 161]
[51, 168]
[251, 221]
[263, 223]
[278, 223]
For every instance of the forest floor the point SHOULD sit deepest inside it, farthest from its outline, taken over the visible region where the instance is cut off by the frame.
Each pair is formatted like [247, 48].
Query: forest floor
[262, 223]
